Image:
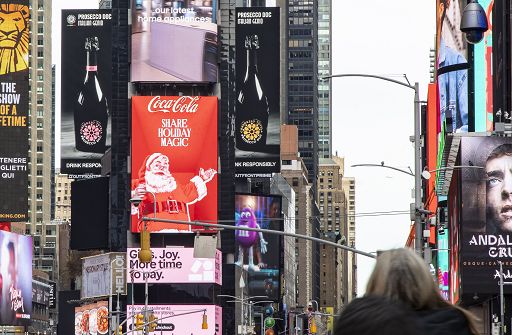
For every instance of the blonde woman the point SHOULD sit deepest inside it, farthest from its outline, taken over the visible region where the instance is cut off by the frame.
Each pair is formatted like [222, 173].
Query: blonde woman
[402, 276]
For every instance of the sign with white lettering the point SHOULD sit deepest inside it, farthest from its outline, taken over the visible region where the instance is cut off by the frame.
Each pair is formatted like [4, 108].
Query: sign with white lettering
[86, 90]
[15, 279]
[175, 265]
[14, 123]
[174, 160]
[486, 216]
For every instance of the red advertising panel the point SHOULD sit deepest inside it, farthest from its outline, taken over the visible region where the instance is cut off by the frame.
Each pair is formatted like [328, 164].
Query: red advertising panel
[175, 265]
[91, 319]
[181, 319]
[431, 148]
[174, 160]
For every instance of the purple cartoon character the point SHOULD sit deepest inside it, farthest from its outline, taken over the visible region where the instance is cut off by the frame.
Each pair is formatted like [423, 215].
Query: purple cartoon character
[248, 240]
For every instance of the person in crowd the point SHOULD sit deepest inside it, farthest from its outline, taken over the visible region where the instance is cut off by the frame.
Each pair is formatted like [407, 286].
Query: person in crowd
[375, 315]
[402, 276]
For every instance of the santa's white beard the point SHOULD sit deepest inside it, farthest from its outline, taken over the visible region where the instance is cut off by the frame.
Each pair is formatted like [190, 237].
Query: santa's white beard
[158, 183]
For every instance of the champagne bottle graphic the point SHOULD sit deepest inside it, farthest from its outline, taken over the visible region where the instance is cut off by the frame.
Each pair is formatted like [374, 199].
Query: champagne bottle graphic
[252, 109]
[91, 107]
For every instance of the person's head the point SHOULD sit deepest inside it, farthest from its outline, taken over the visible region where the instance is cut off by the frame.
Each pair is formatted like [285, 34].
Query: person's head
[498, 169]
[158, 164]
[375, 315]
[11, 267]
[401, 275]
[442, 6]
[156, 174]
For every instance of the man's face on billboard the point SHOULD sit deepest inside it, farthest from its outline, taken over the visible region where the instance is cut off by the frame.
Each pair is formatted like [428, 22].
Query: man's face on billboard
[160, 165]
[499, 189]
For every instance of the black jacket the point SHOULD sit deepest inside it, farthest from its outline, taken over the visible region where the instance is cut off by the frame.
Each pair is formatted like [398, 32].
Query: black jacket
[443, 321]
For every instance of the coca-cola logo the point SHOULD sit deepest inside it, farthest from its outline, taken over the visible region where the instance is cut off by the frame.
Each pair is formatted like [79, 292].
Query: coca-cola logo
[184, 104]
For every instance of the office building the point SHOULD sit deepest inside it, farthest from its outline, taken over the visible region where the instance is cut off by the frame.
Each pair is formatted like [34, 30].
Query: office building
[41, 148]
[302, 80]
[324, 87]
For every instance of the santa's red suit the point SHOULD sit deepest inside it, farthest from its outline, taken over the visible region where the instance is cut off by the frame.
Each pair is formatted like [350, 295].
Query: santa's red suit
[172, 200]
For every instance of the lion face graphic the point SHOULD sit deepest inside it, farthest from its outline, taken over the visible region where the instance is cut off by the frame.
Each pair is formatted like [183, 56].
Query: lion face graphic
[14, 37]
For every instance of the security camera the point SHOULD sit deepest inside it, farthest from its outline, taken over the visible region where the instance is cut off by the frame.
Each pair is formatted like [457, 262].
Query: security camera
[136, 200]
[474, 22]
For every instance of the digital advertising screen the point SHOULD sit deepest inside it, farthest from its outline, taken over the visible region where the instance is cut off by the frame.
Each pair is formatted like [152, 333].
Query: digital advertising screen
[86, 90]
[258, 253]
[257, 111]
[92, 319]
[14, 83]
[452, 75]
[455, 240]
[486, 222]
[15, 279]
[443, 263]
[175, 265]
[181, 319]
[174, 41]
[482, 63]
[174, 161]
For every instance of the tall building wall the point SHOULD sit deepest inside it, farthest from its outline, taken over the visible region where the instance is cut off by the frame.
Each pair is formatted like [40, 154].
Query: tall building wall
[331, 201]
[324, 87]
[41, 135]
[302, 80]
[62, 198]
[349, 189]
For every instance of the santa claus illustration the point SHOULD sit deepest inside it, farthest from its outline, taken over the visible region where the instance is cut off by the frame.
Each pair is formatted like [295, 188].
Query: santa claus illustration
[172, 200]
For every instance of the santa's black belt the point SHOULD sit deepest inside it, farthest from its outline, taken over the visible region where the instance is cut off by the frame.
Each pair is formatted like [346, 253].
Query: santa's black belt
[170, 206]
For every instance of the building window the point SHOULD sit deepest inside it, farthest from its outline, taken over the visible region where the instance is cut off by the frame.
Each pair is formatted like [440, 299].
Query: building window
[295, 181]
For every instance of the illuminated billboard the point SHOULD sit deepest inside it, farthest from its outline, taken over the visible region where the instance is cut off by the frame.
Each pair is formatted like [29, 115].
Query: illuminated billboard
[15, 279]
[486, 222]
[257, 111]
[482, 74]
[174, 160]
[92, 319]
[175, 265]
[258, 253]
[452, 73]
[443, 261]
[181, 319]
[14, 82]
[86, 90]
[174, 41]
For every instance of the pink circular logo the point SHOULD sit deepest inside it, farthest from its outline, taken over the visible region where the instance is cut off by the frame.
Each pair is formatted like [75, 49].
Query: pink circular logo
[91, 132]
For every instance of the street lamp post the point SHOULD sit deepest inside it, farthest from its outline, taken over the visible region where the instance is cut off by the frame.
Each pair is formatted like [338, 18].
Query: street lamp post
[418, 206]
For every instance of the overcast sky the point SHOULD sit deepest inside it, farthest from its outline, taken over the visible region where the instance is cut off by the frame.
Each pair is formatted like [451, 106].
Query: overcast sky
[373, 119]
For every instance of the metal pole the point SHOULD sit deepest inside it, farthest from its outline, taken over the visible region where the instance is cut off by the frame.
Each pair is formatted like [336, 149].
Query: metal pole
[242, 305]
[296, 324]
[118, 312]
[502, 310]
[146, 302]
[110, 309]
[417, 173]
[266, 231]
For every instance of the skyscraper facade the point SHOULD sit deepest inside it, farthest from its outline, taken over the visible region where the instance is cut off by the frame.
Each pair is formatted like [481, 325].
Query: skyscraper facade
[324, 87]
[41, 134]
[302, 80]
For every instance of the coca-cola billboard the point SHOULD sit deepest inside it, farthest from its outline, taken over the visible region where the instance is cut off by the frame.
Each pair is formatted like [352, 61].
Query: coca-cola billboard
[174, 161]
[86, 73]
[14, 122]
[174, 41]
[257, 111]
